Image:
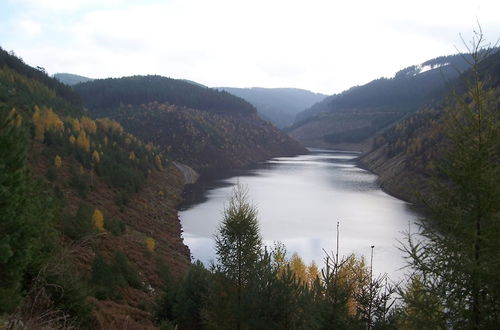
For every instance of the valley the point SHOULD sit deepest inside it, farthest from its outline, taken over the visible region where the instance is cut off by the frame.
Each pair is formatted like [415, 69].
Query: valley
[113, 188]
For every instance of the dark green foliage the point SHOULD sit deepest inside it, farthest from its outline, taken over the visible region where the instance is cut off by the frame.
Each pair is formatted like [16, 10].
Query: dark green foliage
[115, 226]
[191, 297]
[166, 325]
[126, 178]
[51, 173]
[238, 243]
[361, 112]
[359, 134]
[164, 308]
[26, 214]
[407, 91]
[103, 279]
[107, 278]
[69, 292]
[420, 307]
[198, 126]
[80, 225]
[30, 84]
[80, 182]
[277, 299]
[137, 90]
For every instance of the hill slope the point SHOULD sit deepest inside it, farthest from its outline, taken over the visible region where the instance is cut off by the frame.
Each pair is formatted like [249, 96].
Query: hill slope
[404, 155]
[278, 105]
[88, 210]
[354, 116]
[202, 127]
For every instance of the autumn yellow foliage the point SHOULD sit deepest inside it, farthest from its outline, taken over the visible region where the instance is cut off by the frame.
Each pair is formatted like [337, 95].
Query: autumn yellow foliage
[83, 141]
[57, 161]
[45, 119]
[98, 220]
[96, 158]
[131, 156]
[88, 125]
[150, 244]
[107, 125]
[298, 267]
[158, 163]
[75, 124]
[17, 119]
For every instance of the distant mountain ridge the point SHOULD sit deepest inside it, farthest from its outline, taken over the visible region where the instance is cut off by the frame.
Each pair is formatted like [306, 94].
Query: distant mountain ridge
[355, 115]
[278, 105]
[70, 78]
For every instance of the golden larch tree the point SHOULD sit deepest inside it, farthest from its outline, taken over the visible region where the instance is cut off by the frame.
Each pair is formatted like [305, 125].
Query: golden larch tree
[96, 158]
[83, 141]
[150, 244]
[88, 125]
[57, 161]
[158, 163]
[298, 267]
[98, 220]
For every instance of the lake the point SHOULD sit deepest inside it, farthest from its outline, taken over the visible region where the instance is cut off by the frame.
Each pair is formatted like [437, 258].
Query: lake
[300, 200]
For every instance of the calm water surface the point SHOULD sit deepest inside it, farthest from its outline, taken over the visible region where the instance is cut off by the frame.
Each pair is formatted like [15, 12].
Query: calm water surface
[300, 199]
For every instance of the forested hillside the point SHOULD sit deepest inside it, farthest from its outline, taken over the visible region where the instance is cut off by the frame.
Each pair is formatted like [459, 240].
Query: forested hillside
[405, 155]
[111, 93]
[88, 226]
[278, 105]
[202, 127]
[354, 116]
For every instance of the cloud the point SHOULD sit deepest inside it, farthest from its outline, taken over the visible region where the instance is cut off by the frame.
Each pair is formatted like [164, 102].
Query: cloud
[29, 27]
[321, 45]
[66, 5]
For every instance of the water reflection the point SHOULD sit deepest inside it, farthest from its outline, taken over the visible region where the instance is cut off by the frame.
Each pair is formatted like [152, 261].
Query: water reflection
[300, 199]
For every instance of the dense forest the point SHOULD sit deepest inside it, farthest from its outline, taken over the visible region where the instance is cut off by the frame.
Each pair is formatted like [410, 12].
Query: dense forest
[113, 92]
[362, 111]
[199, 126]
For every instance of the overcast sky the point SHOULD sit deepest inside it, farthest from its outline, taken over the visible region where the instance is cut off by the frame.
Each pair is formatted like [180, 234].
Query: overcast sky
[324, 46]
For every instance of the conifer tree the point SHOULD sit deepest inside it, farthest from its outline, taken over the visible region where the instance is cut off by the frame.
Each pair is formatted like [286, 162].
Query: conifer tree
[458, 260]
[238, 243]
